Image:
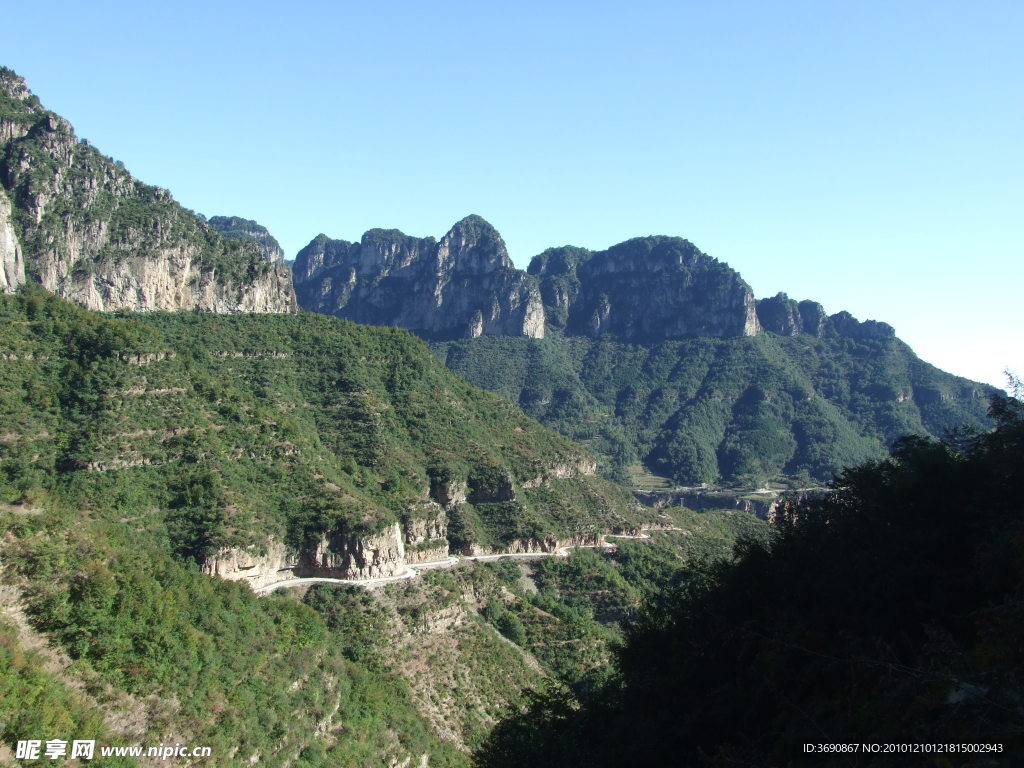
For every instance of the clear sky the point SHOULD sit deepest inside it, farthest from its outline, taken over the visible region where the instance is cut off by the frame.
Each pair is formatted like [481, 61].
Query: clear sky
[868, 155]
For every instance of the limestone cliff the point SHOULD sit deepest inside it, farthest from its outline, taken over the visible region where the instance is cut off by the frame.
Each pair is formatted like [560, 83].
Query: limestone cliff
[532, 545]
[334, 555]
[644, 289]
[699, 499]
[90, 232]
[786, 317]
[461, 287]
[12, 264]
[466, 286]
[426, 534]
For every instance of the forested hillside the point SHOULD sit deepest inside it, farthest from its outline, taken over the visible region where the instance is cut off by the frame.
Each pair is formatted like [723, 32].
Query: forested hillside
[277, 424]
[740, 411]
[138, 450]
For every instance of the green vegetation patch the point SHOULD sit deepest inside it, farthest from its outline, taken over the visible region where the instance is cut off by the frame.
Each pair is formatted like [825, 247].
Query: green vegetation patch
[740, 411]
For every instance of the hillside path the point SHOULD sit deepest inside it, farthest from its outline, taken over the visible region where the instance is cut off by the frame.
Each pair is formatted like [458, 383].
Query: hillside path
[413, 569]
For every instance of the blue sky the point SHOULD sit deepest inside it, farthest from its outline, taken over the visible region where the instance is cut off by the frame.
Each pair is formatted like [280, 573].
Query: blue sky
[867, 155]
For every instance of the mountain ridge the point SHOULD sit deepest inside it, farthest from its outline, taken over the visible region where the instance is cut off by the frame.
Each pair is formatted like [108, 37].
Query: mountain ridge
[653, 352]
[646, 288]
[463, 285]
[76, 222]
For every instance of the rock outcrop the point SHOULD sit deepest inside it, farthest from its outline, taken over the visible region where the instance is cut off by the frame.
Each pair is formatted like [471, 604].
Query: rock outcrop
[786, 317]
[548, 546]
[465, 286]
[349, 556]
[334, 555]
[12, 264]
[88, 231]
[700, 500]
[258, 570]
[461, 287]
[425, 534]
[644, 289]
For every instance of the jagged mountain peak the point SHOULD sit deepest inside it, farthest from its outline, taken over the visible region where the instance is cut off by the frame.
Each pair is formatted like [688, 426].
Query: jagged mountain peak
[459, 287]
[473, 245]
[643, 289]
[788, 317]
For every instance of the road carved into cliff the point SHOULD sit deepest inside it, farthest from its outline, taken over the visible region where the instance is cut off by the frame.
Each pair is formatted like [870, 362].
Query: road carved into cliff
[413, 569]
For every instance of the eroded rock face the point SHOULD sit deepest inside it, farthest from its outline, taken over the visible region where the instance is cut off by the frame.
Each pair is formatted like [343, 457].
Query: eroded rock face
[540, 546]
[643, 290]
[256, 570]
[349, 556]
[89, 232]
[786, 317]
[448, 493]
[12, 264]
[647, 288]
[426, 534]
[336, 556]
[585, 467]
[173, 278]
[703, 499]
[465, 286]
[461, 287]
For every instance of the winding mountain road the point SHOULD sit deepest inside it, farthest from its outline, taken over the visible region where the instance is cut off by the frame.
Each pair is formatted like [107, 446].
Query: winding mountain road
[413, 569]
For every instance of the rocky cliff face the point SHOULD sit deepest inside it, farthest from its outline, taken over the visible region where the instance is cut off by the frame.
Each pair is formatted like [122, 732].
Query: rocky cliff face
[461, 287]
[425, 534]
[334, 555]
[644, 289]
[786, 317]
[549, 546]
[88, 231]
[700, 499]
[12, 264]
[465, 286]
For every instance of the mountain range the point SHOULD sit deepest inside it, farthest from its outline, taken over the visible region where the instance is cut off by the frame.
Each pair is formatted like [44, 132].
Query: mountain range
[650, 353]
[178, 404]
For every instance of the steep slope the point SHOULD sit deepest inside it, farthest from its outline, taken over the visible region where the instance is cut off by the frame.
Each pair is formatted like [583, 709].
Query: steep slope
[140, 452]
[78, 223]
[461, 287]
[649, 288]
[271, 444]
